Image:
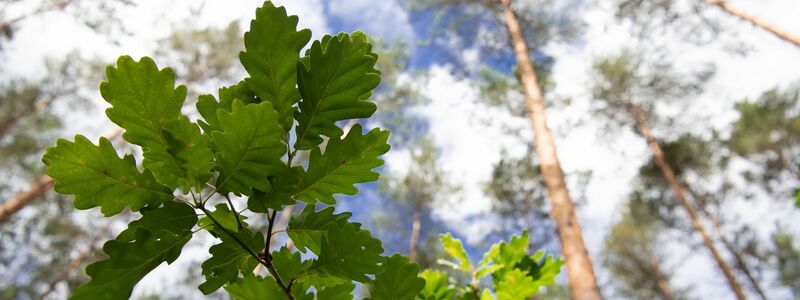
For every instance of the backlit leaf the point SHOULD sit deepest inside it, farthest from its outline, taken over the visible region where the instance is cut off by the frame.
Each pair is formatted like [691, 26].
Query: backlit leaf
[398, 281]
[96, 176]
[335, 82]
[249, 148]
[272, 50]
[345, 162]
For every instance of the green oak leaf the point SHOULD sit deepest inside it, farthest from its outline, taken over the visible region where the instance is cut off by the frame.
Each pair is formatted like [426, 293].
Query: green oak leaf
[345, 162]
[272, 50]
[319, 280]
[229, 259]
[486, 295]
[249, 148]
[130, 260]
[144, 101]
[543, 270]
[283, 185]
[455, 249]
[288, 263]
[437, 286]
[398, 281]
[348, 252]
[253, 287]
[510, 253]
[97, 176]
[512, 256]
[187, 160]
[335, 82]
[515, 285]
[307, 229]
[224, 216]
[797, 199]
[341, 291]
[207, 105]
[171, 216]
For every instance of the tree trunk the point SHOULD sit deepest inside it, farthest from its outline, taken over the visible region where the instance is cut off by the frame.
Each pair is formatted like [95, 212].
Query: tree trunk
[663, 285]
[737, 255]
[413, 245]
[756, 22]
[678, 189]
[582, 281]
[16, 203]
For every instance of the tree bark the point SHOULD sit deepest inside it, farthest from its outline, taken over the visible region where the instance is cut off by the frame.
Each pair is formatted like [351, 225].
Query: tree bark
[16, 203]
[679, 190]
[756, 21]
[413, 245]
[737, 255]
[663, 285]
[582, 281]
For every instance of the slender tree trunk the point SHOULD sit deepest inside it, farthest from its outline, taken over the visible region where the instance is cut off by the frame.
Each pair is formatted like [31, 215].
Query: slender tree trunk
[413, 246]
[737, 255]
[582, 281]
[36, 190]
[16, 203]
[756, 21]
[679, 190]
[663, 285]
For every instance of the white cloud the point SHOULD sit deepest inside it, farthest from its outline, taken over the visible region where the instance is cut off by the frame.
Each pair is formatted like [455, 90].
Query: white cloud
[385, 19]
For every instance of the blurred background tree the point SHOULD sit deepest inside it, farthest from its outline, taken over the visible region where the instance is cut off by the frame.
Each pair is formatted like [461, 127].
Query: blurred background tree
[634, 257]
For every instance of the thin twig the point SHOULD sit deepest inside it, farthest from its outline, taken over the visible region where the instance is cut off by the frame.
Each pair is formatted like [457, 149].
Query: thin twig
[233, 209]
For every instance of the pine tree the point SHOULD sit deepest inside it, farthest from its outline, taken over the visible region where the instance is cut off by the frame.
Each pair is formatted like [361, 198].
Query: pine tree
[629, 97]
[508, 18]
[787, 259]
[633, 257]
[768, 134]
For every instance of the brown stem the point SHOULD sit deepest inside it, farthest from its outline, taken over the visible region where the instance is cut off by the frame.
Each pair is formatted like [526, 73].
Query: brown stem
[663, 286]
[679, 190]
[582, 280]
[265, 258]
[19, 201]
[756, 21]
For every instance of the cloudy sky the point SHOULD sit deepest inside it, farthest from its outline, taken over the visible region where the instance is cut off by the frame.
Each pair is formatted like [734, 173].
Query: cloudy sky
[470, 148]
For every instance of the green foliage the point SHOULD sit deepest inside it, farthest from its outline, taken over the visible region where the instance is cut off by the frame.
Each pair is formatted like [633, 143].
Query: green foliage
[228, 259]
[253, 287]
[249, 147]
[239, 152]
[335, 80]
[632, 257]
[348, 252]
[768, 133]
[132, 256]
[272, 50]
[787, 255]
[437, 286]
[344, 163]
[514, 273]
[398, 281]
[96, 176]
[306, 230]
